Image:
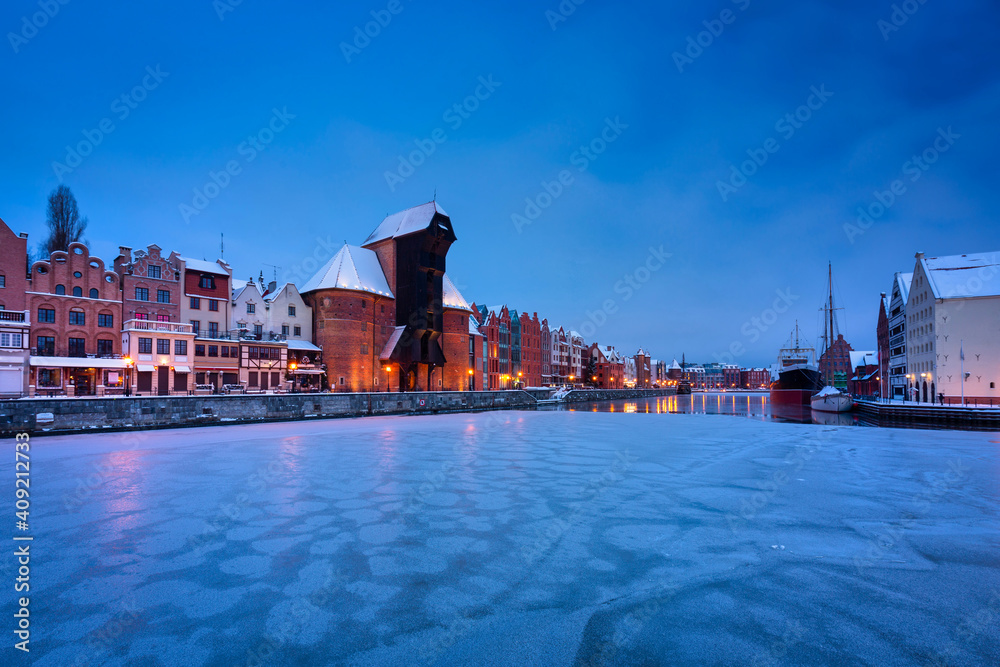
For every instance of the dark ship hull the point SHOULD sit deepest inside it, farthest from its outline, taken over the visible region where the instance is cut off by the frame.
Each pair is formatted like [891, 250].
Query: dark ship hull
[683, 388]
[796, 386]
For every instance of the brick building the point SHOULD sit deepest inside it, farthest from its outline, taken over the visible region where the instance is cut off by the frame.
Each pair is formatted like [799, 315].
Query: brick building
[882, 336]
[205, 304]
[531, 350]
[643, 376]
[546, 353]
[835, 363]
[75, 305]
[150, 284]
[460, 342]
[15, 319]
[608, 367]
[354, 320]
[755, 378]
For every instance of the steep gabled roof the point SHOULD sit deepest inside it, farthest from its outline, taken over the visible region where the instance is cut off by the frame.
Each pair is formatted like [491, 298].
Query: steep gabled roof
[903, 281]
[411, 220]
[862, 358]
[352, 268]
[473, 329]
[451, 297]
[958, 276]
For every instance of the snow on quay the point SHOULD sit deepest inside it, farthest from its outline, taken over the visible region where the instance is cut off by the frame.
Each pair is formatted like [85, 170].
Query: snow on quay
[516, 538]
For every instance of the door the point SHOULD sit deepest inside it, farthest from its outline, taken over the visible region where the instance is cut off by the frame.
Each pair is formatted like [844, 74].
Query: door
[263, 381]
[163, 380]
[144, 381]
[10, 382]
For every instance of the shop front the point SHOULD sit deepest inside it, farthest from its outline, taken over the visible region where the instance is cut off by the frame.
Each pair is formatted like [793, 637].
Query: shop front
[75, 376]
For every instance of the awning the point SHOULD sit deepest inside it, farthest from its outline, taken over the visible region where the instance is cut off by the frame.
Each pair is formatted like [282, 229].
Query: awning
[144, 368]
[76, 362]
[302, 345]
[308, 371]
[182, 369]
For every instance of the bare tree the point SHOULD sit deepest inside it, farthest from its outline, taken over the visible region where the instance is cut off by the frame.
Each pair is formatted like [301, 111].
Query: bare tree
[64, 221]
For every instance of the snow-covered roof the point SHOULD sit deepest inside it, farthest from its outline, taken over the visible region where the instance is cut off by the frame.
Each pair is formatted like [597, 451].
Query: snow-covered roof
[352, 268]
[958, 276]
[238, 285]
[406, 222]
[275, 292]
[674, 365]
[451, 297]
[295, 344]
[390, 345]
[204, 266]
[862, 358]
[237, 293]
[473, 329]
[903, 281]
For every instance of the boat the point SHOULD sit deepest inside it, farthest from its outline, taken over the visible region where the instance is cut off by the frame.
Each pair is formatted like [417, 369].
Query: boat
[831, 399]
[798, 374]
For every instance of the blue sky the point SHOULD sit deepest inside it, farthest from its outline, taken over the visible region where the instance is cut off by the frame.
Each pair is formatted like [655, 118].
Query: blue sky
[322, 178]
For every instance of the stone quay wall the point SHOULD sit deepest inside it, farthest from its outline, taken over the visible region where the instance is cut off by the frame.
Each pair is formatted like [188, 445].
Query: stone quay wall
[89, 415]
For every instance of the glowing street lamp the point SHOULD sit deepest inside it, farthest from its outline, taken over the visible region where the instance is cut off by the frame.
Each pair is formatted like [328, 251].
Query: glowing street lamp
[128, 376]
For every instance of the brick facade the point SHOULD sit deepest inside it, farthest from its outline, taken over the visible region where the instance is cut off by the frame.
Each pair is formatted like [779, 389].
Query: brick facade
[150, 284]
[13, 266]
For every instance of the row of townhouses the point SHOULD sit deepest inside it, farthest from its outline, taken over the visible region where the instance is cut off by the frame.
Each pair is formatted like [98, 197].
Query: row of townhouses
[381, 316]
[938, 330]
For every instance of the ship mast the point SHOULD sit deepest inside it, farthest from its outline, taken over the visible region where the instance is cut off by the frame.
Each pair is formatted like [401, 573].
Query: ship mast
[829, 341]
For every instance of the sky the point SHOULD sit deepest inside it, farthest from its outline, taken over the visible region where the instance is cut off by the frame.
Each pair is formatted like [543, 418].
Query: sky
[674, 176]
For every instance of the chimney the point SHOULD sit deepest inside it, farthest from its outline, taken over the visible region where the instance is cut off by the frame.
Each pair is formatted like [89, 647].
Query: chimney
[23, 235]
[126, 252]
[919, 255]
[271, 286]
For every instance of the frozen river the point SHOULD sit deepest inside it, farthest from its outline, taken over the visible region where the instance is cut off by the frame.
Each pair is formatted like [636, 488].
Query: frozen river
[515, 538]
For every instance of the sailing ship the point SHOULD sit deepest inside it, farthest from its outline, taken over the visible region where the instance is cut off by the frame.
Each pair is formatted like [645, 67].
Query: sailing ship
[830, 399]
[798, 373]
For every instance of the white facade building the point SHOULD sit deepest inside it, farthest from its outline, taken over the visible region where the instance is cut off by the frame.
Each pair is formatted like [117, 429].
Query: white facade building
[953, 308]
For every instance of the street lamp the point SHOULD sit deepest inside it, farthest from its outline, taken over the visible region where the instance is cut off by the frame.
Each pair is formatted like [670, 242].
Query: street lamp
[128, 376]
[472, 380]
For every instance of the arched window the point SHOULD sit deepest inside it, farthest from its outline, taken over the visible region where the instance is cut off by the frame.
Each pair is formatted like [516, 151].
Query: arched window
[94, 294]
[60, 289]
[77, 291]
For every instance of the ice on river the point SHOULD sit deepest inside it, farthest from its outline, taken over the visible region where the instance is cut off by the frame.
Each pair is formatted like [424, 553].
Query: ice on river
[515, 538]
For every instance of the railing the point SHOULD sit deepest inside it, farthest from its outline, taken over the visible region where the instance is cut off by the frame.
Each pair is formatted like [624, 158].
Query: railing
[19, 316]
[150, 325]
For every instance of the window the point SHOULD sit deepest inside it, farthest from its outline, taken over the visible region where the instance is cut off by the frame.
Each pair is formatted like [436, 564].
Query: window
[258, 330]
[206, 282]
[162, 318]
[142, 316]
[77, 291]
[163, 296]
[284, 329]
[60, 289]
[77, 274]
[10, 340]
[3, 280]
[46, 315]
[199, 350]
[142, 294]
[46, 346]
[297, 330]
[153, 271]
[94, 294]
[213, 350]
[213, 329]
[291, 311]
[163, 346]
[145, 346]
[77, 317]
[364, 303]
[364, 349]
[224, 352]
[105, 348]
[180, 347]
[251, 308]
[195, 326]
[195, 303]
[213, 305]
[77, 347]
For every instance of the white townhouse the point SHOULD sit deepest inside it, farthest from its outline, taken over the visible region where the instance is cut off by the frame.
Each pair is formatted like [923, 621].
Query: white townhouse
[953, 309]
